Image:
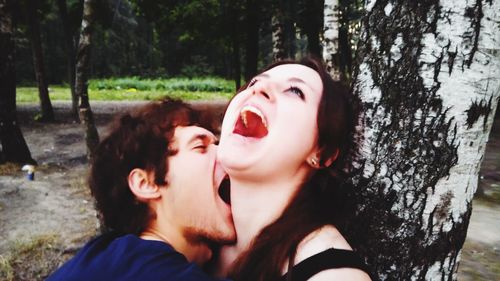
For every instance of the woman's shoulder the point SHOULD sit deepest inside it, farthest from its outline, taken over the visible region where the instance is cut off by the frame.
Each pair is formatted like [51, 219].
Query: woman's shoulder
[321, 240]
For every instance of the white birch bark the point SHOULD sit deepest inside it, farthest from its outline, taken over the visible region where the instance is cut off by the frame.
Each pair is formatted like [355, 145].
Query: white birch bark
[429, 81]
[278, 37]
[331, 37]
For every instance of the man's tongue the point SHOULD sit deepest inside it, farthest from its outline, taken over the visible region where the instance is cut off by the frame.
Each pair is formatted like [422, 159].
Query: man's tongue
[254, 126]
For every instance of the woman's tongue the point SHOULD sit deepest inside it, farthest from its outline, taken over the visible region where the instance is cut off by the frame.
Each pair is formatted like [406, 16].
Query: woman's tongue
[253, 128]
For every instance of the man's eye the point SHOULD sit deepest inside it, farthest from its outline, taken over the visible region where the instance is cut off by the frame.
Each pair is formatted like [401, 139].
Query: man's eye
[200, 147]
[297, 92]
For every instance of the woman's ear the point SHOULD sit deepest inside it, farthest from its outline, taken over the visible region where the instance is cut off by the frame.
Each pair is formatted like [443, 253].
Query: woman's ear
[314, 159]
[332, 158]
[142, 186]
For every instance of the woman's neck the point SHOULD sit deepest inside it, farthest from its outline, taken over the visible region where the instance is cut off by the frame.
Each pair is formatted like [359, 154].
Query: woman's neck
[255, 205]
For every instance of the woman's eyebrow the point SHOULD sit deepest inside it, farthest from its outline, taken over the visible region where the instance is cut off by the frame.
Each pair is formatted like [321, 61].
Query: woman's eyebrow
[296, 79]
[262, 75]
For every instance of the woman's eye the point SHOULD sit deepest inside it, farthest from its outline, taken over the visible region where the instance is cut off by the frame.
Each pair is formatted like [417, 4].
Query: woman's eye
[297, 92]
[252, 83]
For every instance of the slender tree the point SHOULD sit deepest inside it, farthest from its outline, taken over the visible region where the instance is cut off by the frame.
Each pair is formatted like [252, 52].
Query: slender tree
[278, 36]
[429, 83]
[31, 6]
[289, 30]
[13, 146]
[252, 37]
[81, 77]
[310, 21]
[70, 53]
[331, 37]
[283, 21]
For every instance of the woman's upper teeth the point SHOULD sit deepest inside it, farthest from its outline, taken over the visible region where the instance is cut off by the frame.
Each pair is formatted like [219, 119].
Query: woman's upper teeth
[253, 109]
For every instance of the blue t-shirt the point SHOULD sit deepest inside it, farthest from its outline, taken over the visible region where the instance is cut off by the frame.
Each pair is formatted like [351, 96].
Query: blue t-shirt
[128, 257]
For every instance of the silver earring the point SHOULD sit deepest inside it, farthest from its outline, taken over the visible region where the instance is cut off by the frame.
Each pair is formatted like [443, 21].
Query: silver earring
[314, 162]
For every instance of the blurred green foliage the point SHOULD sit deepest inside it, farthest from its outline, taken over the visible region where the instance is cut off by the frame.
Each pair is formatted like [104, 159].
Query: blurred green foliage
[135, 88]
[208, 84]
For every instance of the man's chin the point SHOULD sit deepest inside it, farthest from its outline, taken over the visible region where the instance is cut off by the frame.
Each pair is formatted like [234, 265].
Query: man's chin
[212, 239]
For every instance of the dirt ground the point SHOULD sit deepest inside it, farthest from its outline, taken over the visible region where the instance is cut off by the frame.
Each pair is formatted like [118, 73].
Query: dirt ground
[44, 222]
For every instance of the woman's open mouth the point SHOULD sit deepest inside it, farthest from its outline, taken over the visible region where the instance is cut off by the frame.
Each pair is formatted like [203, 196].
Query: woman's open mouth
[251, 123]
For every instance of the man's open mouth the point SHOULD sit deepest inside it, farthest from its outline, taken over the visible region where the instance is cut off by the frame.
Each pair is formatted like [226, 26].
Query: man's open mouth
[251, 123]
[225, 190]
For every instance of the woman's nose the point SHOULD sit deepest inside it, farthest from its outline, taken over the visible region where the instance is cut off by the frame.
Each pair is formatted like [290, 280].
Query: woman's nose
[263, 88]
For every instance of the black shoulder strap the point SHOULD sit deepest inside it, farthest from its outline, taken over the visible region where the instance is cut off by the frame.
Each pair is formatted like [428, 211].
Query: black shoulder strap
[328, 259]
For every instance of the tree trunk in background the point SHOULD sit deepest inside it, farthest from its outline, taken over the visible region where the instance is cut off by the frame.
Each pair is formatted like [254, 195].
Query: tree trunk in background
[235, 42]
[429, 81]
[81, 81]
[236, 62]
[38, 63]
[70, 52]
[345, 57]
[313, 9]
[252, 38]
[331, 37]
[278, 36]
[13, 147]
[289, 27]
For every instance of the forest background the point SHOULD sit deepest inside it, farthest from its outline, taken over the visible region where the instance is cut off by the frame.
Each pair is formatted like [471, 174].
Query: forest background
[195, 50]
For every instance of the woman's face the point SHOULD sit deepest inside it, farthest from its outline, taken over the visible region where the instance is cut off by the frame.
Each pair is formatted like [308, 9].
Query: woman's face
[270, 128]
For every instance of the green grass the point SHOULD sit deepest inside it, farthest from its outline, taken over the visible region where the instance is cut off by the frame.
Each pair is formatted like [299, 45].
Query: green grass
[133, 88]
[33, 259]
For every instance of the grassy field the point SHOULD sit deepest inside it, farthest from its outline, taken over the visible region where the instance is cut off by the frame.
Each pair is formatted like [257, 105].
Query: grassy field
[133, 88]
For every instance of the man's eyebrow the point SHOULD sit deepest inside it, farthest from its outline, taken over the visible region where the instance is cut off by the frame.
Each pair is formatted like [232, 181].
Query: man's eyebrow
[202, 137]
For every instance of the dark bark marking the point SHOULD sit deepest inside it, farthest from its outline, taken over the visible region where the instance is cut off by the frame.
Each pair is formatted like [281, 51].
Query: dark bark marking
[443, 208]
[451, 60]
[475, 13]
[478, 110]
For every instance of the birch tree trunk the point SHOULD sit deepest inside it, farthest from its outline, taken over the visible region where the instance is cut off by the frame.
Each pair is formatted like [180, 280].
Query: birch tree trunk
[13, 147]
[283, 30]
[38, 63]
[331, 37]
[278, 36]
[429, 80]
[81, 77]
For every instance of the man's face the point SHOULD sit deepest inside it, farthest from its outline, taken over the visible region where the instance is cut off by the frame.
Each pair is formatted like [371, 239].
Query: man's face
[193, 181]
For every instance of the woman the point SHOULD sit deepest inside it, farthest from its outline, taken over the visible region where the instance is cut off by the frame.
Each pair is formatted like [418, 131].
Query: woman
[285, 141]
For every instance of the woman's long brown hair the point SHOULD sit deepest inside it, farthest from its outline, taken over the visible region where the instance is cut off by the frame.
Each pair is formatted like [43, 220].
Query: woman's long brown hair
[322, 199]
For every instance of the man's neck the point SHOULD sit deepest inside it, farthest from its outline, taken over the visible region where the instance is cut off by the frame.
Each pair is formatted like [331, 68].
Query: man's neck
[254, 206]
[198, 253]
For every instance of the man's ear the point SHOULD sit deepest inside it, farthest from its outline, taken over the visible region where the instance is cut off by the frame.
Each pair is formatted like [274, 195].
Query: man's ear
[142, 186]
[314, 159]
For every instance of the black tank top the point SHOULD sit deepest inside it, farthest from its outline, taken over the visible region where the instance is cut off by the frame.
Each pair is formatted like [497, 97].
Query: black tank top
[328, 259]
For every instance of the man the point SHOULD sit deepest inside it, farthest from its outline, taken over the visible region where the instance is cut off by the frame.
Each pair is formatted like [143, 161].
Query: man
[155, 180]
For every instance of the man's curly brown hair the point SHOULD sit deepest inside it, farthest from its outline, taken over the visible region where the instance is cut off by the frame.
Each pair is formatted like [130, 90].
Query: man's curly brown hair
[139, 139]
